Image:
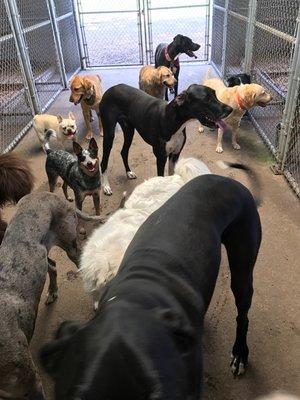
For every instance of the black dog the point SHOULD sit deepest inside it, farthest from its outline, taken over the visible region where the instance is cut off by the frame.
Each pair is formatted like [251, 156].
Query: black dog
[168, 55]
[160, 124]
[236, 80]
[145, 341]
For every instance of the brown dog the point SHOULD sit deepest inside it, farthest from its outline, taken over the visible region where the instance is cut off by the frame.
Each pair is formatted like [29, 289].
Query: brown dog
[155, 81]
[240, 98]
[87, 91]
[16, 180]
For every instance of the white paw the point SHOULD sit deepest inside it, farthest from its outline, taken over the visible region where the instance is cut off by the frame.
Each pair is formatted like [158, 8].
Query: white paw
[51, 297]
[219, 149]
[107, 190]
[236, 146]
[96, 305]
[70, 199]
[131, 175]
[237, 366]
[201, 129]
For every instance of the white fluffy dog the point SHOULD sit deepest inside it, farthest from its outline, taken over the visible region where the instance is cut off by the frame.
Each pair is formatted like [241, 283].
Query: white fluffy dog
[104, 250]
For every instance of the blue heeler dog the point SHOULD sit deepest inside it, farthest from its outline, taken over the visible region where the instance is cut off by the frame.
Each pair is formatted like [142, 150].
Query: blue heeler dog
[80, 172]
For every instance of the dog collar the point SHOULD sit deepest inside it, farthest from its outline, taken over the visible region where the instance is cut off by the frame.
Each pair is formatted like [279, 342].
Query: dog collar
[174, 63]
[240, 103]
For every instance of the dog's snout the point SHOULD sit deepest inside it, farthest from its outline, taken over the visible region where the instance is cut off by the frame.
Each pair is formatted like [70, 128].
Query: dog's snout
[71, 99]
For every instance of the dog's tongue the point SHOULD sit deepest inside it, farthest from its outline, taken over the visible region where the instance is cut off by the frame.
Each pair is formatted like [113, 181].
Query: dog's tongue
[191, 54]
[221, 124]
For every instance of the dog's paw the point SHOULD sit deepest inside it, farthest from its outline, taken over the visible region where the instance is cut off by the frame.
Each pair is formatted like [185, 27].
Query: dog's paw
[219, 149]
[237, 365]
[70, 199]
[96, 305]
[201, 129]
[107, 190]
[131, 175]
[88, 136]
[92, 119]
[51, 297]
[236, 146]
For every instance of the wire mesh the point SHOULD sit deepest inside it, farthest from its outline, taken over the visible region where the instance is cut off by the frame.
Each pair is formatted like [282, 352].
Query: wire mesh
[69, 44]
[188, 21]
[292, 162]
[63, 7]
[235, 45]
[217, 38]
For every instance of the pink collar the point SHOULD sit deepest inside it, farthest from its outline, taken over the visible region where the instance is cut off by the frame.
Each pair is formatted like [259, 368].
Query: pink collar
[240, 102]
[174, 63]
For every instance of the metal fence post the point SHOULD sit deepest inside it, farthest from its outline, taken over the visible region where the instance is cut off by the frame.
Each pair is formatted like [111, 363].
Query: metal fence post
[291, 102]
[57, 42]
[23, 56]
[250, 36]
[223, 66]
[79, 34]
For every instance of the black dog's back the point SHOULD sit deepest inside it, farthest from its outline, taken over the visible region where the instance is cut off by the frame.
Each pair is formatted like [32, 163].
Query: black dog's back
[159, 57]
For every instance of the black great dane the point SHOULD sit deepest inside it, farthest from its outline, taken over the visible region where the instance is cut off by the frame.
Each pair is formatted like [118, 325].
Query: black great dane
[145, 343]
[168, 55]
[160, 124]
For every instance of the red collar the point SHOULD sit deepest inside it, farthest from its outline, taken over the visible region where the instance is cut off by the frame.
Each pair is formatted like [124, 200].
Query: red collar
[240, 102]
[174, 63]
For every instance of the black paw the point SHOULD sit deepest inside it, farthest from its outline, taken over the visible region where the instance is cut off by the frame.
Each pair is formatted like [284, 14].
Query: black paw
[239, 359]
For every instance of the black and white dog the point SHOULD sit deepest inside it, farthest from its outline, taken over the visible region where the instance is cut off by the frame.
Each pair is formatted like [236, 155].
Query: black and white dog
[168, 55]
[238, 79]
[146, 340]
[160, 124]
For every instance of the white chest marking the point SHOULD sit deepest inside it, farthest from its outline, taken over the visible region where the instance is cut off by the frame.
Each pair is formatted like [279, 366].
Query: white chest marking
[174, 145]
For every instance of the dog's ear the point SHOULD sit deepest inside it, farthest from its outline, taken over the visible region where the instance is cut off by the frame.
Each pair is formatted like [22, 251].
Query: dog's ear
[71, 115]
[89, 88]
[77, 148]
[93, 146]
[59, 118]
[51, 352]
[179, 325]
[181, 99]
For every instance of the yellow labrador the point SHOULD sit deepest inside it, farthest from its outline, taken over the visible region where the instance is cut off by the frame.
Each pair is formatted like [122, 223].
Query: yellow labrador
[240, 98]
[156, 81]
[87, 91]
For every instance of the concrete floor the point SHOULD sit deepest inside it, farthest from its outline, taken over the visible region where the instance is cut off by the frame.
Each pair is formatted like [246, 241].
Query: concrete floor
[274, 318]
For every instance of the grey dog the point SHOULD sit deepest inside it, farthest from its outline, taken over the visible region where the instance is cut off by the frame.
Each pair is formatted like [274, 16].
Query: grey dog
[42, 220]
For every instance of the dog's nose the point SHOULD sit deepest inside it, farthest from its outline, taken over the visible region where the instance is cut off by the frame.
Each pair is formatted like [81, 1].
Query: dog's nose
[71, 99]
[89, 164]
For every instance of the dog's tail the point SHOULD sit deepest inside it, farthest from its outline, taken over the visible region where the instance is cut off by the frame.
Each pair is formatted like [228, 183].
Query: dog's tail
[46, 145]
[16, 178]
[189, 168]
[255, 181]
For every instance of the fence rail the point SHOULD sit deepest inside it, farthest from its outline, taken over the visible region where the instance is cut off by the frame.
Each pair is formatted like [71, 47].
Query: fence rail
[38, 54]
[263, 38]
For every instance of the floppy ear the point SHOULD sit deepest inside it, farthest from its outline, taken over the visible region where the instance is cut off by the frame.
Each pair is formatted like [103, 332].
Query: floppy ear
[179, 326]
[71, 115]
[59, 118]
[89, 88]
[181, 99]
[93, 145]
[51, 352]
[77, 148]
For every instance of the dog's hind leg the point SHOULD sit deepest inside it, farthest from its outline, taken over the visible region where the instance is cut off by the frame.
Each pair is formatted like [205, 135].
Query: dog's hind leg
[52, 179]
[65, 190]
[242, 244]
[219, 148]
[52, 291]
[173, 157]
[128, 131]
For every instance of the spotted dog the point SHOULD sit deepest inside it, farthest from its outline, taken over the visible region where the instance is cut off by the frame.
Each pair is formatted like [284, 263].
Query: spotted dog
[80, 172]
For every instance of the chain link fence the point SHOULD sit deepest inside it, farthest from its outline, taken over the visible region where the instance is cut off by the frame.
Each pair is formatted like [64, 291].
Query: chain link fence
[262, 38]
[38, 53]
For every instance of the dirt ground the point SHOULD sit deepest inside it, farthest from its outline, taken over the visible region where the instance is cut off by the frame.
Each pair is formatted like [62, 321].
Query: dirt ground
[274, 318]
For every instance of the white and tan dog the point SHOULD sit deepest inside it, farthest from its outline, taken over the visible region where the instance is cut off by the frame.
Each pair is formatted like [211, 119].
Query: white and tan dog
[156, 81]
[241, 98]
[106, 246]
[62, 128]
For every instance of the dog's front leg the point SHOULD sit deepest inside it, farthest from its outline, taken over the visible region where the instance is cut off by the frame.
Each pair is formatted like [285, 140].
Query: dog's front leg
[65, 190]
[235, 144]
[219, 148]
[96, 200]
[87, 119]
[52, 291]
[161, 163]
[79, 197]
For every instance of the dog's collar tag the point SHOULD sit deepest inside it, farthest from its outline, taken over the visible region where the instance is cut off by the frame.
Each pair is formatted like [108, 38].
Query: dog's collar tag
[240, 103]
[175, 62]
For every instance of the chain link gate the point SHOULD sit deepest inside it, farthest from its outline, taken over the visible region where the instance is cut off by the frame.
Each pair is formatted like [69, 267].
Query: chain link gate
[38, 53]
[262, 38]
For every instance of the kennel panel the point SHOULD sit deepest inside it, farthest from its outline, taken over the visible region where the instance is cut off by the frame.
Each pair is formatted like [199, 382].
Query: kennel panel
[239, 6]
[217, 37]
[69, 44]
[63, 7]
[15, 110]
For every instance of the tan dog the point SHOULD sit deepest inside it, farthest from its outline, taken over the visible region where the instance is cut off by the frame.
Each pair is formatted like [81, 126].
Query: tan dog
[155, 81]
[240, 98]
[87, 91]
[63, 128]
